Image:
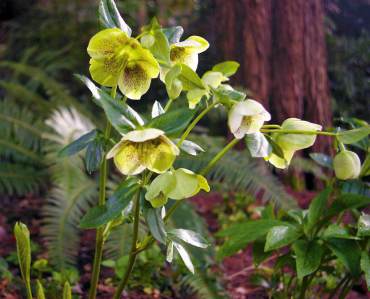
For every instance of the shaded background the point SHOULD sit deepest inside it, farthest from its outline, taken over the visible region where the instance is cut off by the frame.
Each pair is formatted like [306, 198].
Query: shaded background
[306, 59]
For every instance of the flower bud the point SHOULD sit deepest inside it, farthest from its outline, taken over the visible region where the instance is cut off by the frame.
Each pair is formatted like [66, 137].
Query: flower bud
[347, 165]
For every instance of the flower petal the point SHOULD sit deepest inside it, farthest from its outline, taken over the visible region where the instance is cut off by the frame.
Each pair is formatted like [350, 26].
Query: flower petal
[279, 162]
[106, 71]
[187, 184]
[158, 190]
[194, 44]
[128, 159]
[134, 82]
[252, 107]
[143, 135]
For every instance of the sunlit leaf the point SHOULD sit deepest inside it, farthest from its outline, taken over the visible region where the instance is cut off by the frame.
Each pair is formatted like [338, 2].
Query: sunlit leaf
[110, 17]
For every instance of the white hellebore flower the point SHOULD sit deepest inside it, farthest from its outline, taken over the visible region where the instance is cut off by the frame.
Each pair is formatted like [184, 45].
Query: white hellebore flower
[247, 117]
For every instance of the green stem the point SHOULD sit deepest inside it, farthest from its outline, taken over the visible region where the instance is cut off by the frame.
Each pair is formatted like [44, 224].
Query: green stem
[168, 105]
[99, 242]
[194, 122]
[303, 288]
[339, 285]
[303, 132]
[271, 127]
[133, 252]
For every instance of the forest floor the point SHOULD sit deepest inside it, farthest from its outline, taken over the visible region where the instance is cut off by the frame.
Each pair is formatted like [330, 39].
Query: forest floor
[236, 270]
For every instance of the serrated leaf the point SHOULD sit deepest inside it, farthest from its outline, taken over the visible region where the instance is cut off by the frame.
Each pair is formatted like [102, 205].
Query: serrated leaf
[363, 226]
[157, 109]
[172, 122]
[173, 34]
[228, 68]
[22, 237]
[190, 237]
[365, 267]
[336, 231]
[308, 257]
[94, 155]
[317, 208]
[155, 224]
[79, 144]
[67, 292]
[120, 115]
[110, 17]
[116, 203]
[258, 145]
[241, 234]
[322, 160]
[190, 147]
[280, 236]
[353, 136]
[348, 252]
[184, 256]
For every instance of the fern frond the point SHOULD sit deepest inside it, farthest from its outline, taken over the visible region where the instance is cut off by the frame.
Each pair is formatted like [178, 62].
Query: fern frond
[237, 172]
[19, 179]
[201, 285]
[309, 166]
[56, 91]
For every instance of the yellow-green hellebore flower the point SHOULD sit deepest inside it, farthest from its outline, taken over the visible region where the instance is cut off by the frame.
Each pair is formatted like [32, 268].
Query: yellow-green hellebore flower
[186, 52]
[141, 149]
[247, 117]
[117, 59]
[214, 79]
[177, 184]
[279, 162]
[347, 165]
[297, 141]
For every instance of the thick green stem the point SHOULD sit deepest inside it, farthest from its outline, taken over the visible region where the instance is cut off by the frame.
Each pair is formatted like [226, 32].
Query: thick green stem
[99, 242]
[168, 105]
[194, 122]
[133, 252]
[303, 132]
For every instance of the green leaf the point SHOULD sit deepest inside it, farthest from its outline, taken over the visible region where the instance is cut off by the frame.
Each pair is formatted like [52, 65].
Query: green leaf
[347, 201]
[184, 256]
[116, 203]
[120, 115]
[169, 253]
[172, 122]
[173, 34]
[365, 267]
[79, 144]
[173, 84]
[155, 224]
[224, 93]
[317, 208]
[322, 160]
[110, 17]
[157, 109]
[336, 231]
[258, 145]
[22, 237]
[280, 236]
[308, 257]
[190, 79]
[258, 252]
[67, 292]
[352, 136]
[190, 237]
[160, 48]
[94, 155]
[365, 170]
[348, 252]
[40, 294]
[363, 226]
[228, 68]
[241, 234]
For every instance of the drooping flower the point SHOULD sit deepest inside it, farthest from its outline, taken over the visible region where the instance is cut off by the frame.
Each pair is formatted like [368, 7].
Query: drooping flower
[117, 59]
[247, 117]
[186, 52]
[143, 149]
[347, 165]
[297, 141]
[177, 184]
[290, 142]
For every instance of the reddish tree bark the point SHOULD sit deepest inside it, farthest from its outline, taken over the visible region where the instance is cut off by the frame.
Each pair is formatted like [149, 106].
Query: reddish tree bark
[281, 47]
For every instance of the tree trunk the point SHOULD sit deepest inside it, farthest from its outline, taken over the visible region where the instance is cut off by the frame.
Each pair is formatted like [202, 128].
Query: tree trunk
[281, 47]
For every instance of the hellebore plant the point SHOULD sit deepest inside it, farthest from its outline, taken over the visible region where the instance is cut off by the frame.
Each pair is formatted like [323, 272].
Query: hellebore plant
[124, 67]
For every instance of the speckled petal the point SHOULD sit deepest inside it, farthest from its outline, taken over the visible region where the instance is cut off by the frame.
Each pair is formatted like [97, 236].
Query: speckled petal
[134, 81]
[143, 135]
[127, 159]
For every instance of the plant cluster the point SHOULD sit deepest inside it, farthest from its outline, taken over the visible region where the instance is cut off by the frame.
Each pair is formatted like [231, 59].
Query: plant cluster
[124, 66]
